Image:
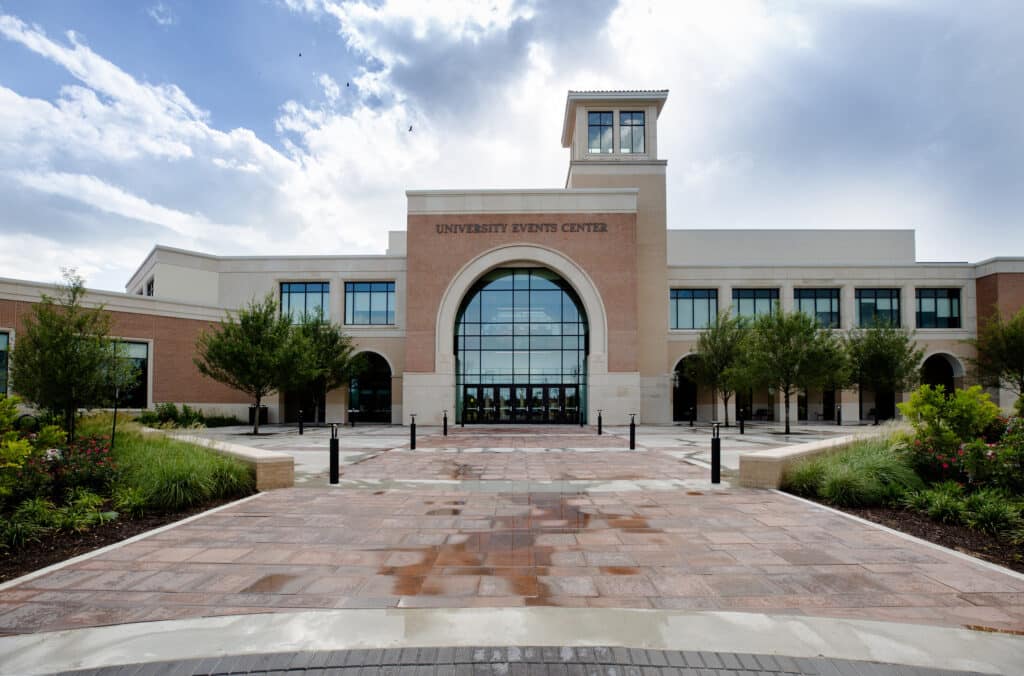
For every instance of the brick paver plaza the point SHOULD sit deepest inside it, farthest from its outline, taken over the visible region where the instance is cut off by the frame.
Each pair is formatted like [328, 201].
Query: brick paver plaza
[448, 544]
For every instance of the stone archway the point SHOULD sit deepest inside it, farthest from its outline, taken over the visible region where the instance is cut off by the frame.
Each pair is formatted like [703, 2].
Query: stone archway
[370, 393]
[942, 369]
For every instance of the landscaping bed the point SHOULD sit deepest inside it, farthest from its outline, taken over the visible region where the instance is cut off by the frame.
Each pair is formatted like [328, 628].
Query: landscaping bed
[61, 498]
[55, 549]
[957, 480]
[953, 536]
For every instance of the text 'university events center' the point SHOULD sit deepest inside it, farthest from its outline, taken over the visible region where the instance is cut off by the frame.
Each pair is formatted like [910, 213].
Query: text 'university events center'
[544, 306]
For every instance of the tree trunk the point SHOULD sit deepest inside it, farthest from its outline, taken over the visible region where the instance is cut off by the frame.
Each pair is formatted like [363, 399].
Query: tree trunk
[725, 403]
[786, 395]
[256, 417]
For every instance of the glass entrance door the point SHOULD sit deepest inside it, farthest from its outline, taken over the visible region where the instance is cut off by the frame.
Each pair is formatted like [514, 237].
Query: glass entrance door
[488, 408]
[571, 401]
[471, 404]
[504, 404]
[538, 409]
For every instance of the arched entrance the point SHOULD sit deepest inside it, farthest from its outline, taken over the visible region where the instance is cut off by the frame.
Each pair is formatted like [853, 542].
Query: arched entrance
[941, 370]
[684, 393]
[369, 394]
[521, 344]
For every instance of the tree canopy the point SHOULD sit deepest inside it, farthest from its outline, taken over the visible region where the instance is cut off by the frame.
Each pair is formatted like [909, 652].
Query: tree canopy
[790, 351]
[1000, 353]
[716, 363]
[884, 358]
[64, 358]
[323, 358]
[251, 351]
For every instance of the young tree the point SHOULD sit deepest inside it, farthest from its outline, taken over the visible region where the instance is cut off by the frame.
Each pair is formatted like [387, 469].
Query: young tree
[790, 351]
[323, 356]
[64, 359]
[884, 358]
[251, 352]
[1000, 349]
[716, 364]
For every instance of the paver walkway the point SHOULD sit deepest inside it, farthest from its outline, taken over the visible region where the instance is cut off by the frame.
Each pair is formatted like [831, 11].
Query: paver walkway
[334, 548]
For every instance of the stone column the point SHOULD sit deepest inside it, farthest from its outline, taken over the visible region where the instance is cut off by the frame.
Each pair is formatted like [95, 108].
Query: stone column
[849, 402]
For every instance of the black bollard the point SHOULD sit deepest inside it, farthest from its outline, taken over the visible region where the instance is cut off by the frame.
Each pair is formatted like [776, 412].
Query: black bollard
[334, 453]
[716, 456]
[632, 431]
[412, 432]
[352, 417]
[839, 415]
[300, 421]
[693, 414]
[445, 422]
[600, 431]
[742, 417]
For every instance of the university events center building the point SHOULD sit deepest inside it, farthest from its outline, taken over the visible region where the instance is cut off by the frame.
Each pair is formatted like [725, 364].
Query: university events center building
[545, 306]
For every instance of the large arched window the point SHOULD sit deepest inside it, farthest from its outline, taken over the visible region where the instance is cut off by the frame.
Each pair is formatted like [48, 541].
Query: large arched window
[520, 348]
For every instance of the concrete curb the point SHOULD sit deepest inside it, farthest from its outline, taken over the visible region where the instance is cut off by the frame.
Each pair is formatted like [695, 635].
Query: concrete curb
[792, 636]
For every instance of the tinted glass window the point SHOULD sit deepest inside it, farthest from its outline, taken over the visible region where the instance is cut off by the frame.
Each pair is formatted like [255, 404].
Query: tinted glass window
[822, 304]
[938, 308]
[878, 307]
[751, 303]
[370, 303]
[692, 308]
[299, 299]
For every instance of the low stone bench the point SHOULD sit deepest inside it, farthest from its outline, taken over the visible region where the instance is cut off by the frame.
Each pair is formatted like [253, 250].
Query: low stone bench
[764, 469]
[272, 469]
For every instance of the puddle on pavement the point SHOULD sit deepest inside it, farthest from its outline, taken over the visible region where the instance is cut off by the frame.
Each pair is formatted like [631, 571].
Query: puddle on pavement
[509, 549]
[619, 570]
[270, 583]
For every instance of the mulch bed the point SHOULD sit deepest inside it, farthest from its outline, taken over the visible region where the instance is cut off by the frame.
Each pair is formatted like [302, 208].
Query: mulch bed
[959, 538]
[57, 548]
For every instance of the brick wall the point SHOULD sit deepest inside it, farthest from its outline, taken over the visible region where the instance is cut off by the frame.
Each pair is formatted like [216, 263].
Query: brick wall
[175, 377]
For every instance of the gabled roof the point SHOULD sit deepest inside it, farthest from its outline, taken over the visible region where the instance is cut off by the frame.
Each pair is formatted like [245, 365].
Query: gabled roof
[575, 97]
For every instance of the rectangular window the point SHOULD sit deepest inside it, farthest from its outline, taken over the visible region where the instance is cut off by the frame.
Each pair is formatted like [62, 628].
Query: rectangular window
[150, 286]
[693, 308]
[370, 303]
[301, 299]
[938, 308]
[878, 306]
[137, 396]
[5, 347]
[599, 132]
[822, 304]
[631, 132]
[751, 303]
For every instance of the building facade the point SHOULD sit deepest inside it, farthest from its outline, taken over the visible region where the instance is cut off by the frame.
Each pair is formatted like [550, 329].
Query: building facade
[547, 306]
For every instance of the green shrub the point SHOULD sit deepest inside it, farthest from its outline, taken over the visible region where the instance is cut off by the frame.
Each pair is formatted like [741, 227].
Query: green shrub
[965, 413]
[917, 500]
[173, 475]
[36, 510]
[222, 421]
[945, 507]
[845, 486]
[129, 500]
[993, 517]
[869, 472]
[15, 534]
[804, 477]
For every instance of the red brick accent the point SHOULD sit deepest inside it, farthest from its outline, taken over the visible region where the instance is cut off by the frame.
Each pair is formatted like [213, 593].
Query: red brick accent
[1003, 291]
[608, 257]
[175, 377]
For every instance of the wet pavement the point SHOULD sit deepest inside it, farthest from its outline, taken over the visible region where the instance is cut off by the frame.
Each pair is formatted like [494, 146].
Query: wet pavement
[711, 549]
[512, 520]
[356, 444]
[515, 661]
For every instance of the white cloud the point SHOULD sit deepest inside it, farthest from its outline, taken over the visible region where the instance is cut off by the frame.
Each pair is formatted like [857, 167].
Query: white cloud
[162, 14]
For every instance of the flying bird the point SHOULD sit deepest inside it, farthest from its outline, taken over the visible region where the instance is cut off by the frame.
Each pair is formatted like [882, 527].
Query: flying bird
[346, 84]
[410, 127]
[300, 53]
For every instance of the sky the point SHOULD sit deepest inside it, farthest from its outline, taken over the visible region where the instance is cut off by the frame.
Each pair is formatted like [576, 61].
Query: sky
[244, 127]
